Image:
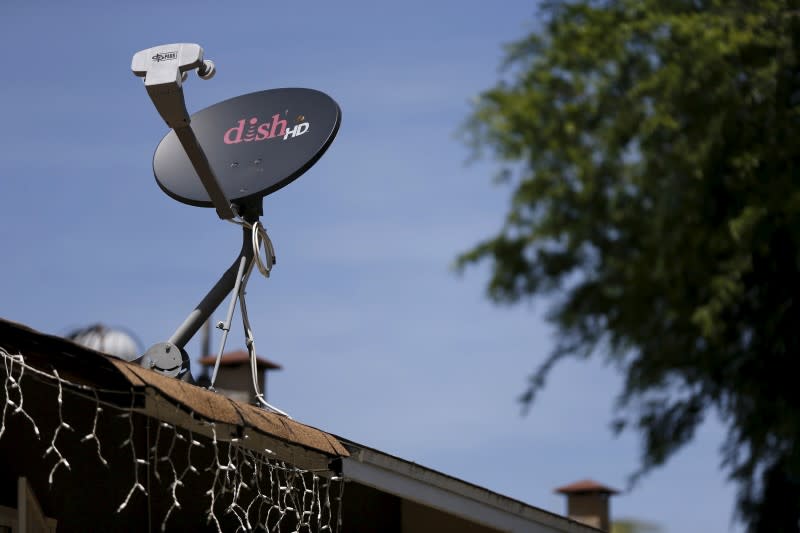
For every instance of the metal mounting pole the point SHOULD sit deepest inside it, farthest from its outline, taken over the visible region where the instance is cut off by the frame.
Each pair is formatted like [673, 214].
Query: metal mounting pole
[215, 296]
[226, 326]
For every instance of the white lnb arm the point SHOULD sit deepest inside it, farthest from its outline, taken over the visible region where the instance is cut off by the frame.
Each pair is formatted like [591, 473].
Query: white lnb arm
[164, 69]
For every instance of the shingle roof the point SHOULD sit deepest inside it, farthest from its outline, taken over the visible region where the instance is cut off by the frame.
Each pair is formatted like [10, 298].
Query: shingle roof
[162, 395]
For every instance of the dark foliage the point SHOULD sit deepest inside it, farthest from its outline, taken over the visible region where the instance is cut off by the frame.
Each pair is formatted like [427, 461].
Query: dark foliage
[652, 147]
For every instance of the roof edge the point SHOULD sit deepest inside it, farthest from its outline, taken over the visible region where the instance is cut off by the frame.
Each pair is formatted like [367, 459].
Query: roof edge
[414, 482]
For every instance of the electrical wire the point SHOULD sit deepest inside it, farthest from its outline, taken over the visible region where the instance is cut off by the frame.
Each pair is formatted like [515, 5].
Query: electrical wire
[251, 347]
[259, 238]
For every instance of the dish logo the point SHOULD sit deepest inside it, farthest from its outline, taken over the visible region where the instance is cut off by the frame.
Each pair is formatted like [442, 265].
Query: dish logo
[166, 56]
[249, 130]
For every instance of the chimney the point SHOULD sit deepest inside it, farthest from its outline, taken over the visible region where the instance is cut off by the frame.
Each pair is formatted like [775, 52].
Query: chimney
[588, 503]
[233, 378]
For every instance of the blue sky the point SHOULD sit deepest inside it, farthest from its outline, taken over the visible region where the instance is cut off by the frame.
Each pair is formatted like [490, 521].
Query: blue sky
[380, 341]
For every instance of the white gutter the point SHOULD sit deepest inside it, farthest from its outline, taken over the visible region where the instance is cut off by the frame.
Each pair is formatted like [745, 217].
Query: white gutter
[416, 483]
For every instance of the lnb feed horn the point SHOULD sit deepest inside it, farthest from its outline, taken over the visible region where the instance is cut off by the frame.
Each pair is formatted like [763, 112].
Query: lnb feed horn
[164, 69]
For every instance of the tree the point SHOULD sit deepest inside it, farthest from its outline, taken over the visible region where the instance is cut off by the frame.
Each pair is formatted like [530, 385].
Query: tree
[652, 147]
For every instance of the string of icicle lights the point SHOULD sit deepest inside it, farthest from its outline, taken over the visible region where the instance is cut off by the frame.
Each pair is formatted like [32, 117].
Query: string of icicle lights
[258, 491]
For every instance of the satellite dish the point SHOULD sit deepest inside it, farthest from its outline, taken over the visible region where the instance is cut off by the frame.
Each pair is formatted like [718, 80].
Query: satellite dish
[111, 340]
[255, 144]
[228, 156]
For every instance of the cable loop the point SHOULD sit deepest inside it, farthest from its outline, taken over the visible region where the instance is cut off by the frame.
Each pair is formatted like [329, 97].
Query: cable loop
[259, 237]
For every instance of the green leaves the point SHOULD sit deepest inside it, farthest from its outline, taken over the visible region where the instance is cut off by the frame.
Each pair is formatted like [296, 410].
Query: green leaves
[634, 526]
[652, 152]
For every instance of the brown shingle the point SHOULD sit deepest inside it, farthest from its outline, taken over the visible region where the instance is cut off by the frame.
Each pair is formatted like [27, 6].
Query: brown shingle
[92, 368]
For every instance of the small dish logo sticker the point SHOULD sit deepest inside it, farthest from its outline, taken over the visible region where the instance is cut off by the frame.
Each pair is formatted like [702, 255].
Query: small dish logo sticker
[248, 130]
[166, 56]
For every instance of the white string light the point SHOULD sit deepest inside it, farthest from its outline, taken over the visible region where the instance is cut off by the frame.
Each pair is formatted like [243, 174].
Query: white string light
[259, 491]
[12, 383]
[61, 425]
[136, 461]
[93, 434]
